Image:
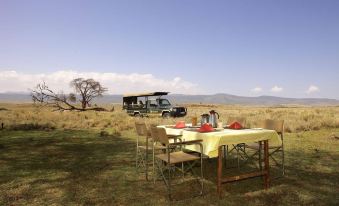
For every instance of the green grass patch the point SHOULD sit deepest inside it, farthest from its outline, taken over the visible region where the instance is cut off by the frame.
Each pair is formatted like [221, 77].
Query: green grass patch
[91, 167]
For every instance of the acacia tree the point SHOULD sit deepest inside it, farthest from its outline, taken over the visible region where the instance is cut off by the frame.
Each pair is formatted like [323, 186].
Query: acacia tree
[88, 89]
[85, 89]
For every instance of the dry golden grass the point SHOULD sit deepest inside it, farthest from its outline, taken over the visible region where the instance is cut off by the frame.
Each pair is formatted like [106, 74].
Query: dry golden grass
[297, 119]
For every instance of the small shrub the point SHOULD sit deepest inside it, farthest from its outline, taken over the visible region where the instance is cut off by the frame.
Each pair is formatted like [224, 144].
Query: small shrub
[116, 133]
[104, 133]
[32, 126]
[288, 129]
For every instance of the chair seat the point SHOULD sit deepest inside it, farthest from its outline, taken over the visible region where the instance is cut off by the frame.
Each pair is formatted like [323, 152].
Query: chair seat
[144, 147]
[255, 146]
[157, 147]
[171, 136]
[177, 157]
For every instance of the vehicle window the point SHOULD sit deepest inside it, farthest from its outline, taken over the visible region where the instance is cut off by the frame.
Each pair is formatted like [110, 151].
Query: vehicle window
[153, 103]
[164, 102]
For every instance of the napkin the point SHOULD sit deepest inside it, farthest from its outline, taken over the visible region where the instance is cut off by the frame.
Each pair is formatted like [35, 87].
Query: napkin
[180, 125]
[235, 125]
[206, 128]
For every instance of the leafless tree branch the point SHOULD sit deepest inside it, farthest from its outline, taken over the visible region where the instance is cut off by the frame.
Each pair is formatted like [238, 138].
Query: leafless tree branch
[87, 89]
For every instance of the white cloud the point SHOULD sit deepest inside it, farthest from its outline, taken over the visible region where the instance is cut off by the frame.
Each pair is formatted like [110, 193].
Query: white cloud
[13, 81]
[256, 89]
[276, 89]
[312, 89]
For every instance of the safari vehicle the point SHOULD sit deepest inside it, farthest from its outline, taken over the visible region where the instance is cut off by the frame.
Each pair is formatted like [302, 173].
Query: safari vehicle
[146, 104]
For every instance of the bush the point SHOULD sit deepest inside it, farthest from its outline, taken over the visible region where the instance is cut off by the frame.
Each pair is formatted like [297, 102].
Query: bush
[104, 133]
[32, 126]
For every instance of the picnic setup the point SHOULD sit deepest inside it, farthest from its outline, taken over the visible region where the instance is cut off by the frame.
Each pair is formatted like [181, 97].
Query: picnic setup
[186, 147]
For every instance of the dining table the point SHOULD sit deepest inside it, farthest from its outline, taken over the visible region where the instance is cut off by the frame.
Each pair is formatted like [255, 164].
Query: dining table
[213, 143]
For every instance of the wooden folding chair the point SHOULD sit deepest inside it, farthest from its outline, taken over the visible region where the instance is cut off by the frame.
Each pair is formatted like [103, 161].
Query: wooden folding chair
[172, 161]
[142, 149]
[278, 126]
[157, 147]
[230, 120]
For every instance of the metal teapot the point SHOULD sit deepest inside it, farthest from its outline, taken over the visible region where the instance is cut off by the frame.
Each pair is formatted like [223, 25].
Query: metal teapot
[204, 118]
[213, 118]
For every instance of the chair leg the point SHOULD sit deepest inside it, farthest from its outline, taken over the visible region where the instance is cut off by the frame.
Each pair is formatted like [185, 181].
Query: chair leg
[160, 168]
[169, 182]
[140, 160]
[283, 161]
[201, 176]
[183, 170]
[153, 159]
[243, 154]
[282, 165]
[137, 158]
[238, 159]
[146, 165]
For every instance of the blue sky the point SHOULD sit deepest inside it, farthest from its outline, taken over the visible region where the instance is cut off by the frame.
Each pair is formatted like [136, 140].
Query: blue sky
[284, 48]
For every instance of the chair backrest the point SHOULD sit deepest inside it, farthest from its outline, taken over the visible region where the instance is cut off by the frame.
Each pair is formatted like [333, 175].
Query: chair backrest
[154, 133]
[141, 128]
[162, 136]
[277, 125]
[241, 120]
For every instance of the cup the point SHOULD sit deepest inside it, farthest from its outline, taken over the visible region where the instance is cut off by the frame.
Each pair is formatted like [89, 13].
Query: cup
[194, 121]
[220, 125]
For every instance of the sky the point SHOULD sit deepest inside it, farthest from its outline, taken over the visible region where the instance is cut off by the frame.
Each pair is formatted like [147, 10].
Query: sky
[286, 48]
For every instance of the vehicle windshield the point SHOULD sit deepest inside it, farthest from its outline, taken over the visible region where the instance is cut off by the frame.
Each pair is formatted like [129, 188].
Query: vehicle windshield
[164, 102]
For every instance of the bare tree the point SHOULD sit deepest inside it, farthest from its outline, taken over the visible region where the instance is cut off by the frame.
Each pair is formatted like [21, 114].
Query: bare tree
[87, 89]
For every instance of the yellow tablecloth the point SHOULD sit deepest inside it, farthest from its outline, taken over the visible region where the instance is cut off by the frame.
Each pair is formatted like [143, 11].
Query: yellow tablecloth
[212, 140]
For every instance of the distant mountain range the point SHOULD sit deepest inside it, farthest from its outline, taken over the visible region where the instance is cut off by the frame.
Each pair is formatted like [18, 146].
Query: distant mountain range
[203, 99]
[260, 100]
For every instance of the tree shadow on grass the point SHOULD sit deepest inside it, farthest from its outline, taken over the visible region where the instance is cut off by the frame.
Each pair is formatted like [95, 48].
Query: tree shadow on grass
[78, 163]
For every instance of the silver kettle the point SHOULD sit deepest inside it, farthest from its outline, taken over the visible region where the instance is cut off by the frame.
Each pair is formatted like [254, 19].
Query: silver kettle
[213, 118]
[204, 118]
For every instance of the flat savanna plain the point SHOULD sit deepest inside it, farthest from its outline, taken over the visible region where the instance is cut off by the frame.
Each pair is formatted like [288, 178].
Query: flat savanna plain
[88, 158]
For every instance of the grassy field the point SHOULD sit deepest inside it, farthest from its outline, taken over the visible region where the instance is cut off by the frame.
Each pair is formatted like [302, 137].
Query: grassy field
[72, 158]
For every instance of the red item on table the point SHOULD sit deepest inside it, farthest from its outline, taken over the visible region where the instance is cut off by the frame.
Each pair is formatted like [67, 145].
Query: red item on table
[206, 128]
[235, 125]
[180, 125]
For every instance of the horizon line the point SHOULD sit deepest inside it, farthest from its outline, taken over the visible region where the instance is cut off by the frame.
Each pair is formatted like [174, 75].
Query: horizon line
[27, 93]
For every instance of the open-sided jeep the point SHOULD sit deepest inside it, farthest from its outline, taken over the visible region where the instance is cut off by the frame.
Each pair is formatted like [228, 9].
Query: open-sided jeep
[146, 104]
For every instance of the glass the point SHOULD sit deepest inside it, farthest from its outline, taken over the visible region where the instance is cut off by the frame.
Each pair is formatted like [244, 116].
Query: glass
[194, 121]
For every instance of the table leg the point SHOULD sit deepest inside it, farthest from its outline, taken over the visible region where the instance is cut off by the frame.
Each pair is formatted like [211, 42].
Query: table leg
[219, 171]
[267, 168]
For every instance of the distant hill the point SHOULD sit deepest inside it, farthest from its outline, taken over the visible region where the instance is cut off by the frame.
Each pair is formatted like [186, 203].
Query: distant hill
[15, 98]
[204, 99]
[261, 100]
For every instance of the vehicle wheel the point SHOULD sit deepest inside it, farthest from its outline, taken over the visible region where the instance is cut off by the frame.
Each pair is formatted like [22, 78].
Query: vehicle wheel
[166, 115]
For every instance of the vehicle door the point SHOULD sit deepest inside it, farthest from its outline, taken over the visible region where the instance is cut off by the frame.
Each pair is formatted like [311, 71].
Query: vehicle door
[164, 104]
[153, 106]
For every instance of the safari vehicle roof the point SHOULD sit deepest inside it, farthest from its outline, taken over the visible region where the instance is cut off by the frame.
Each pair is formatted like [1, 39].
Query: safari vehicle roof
[146, 94]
